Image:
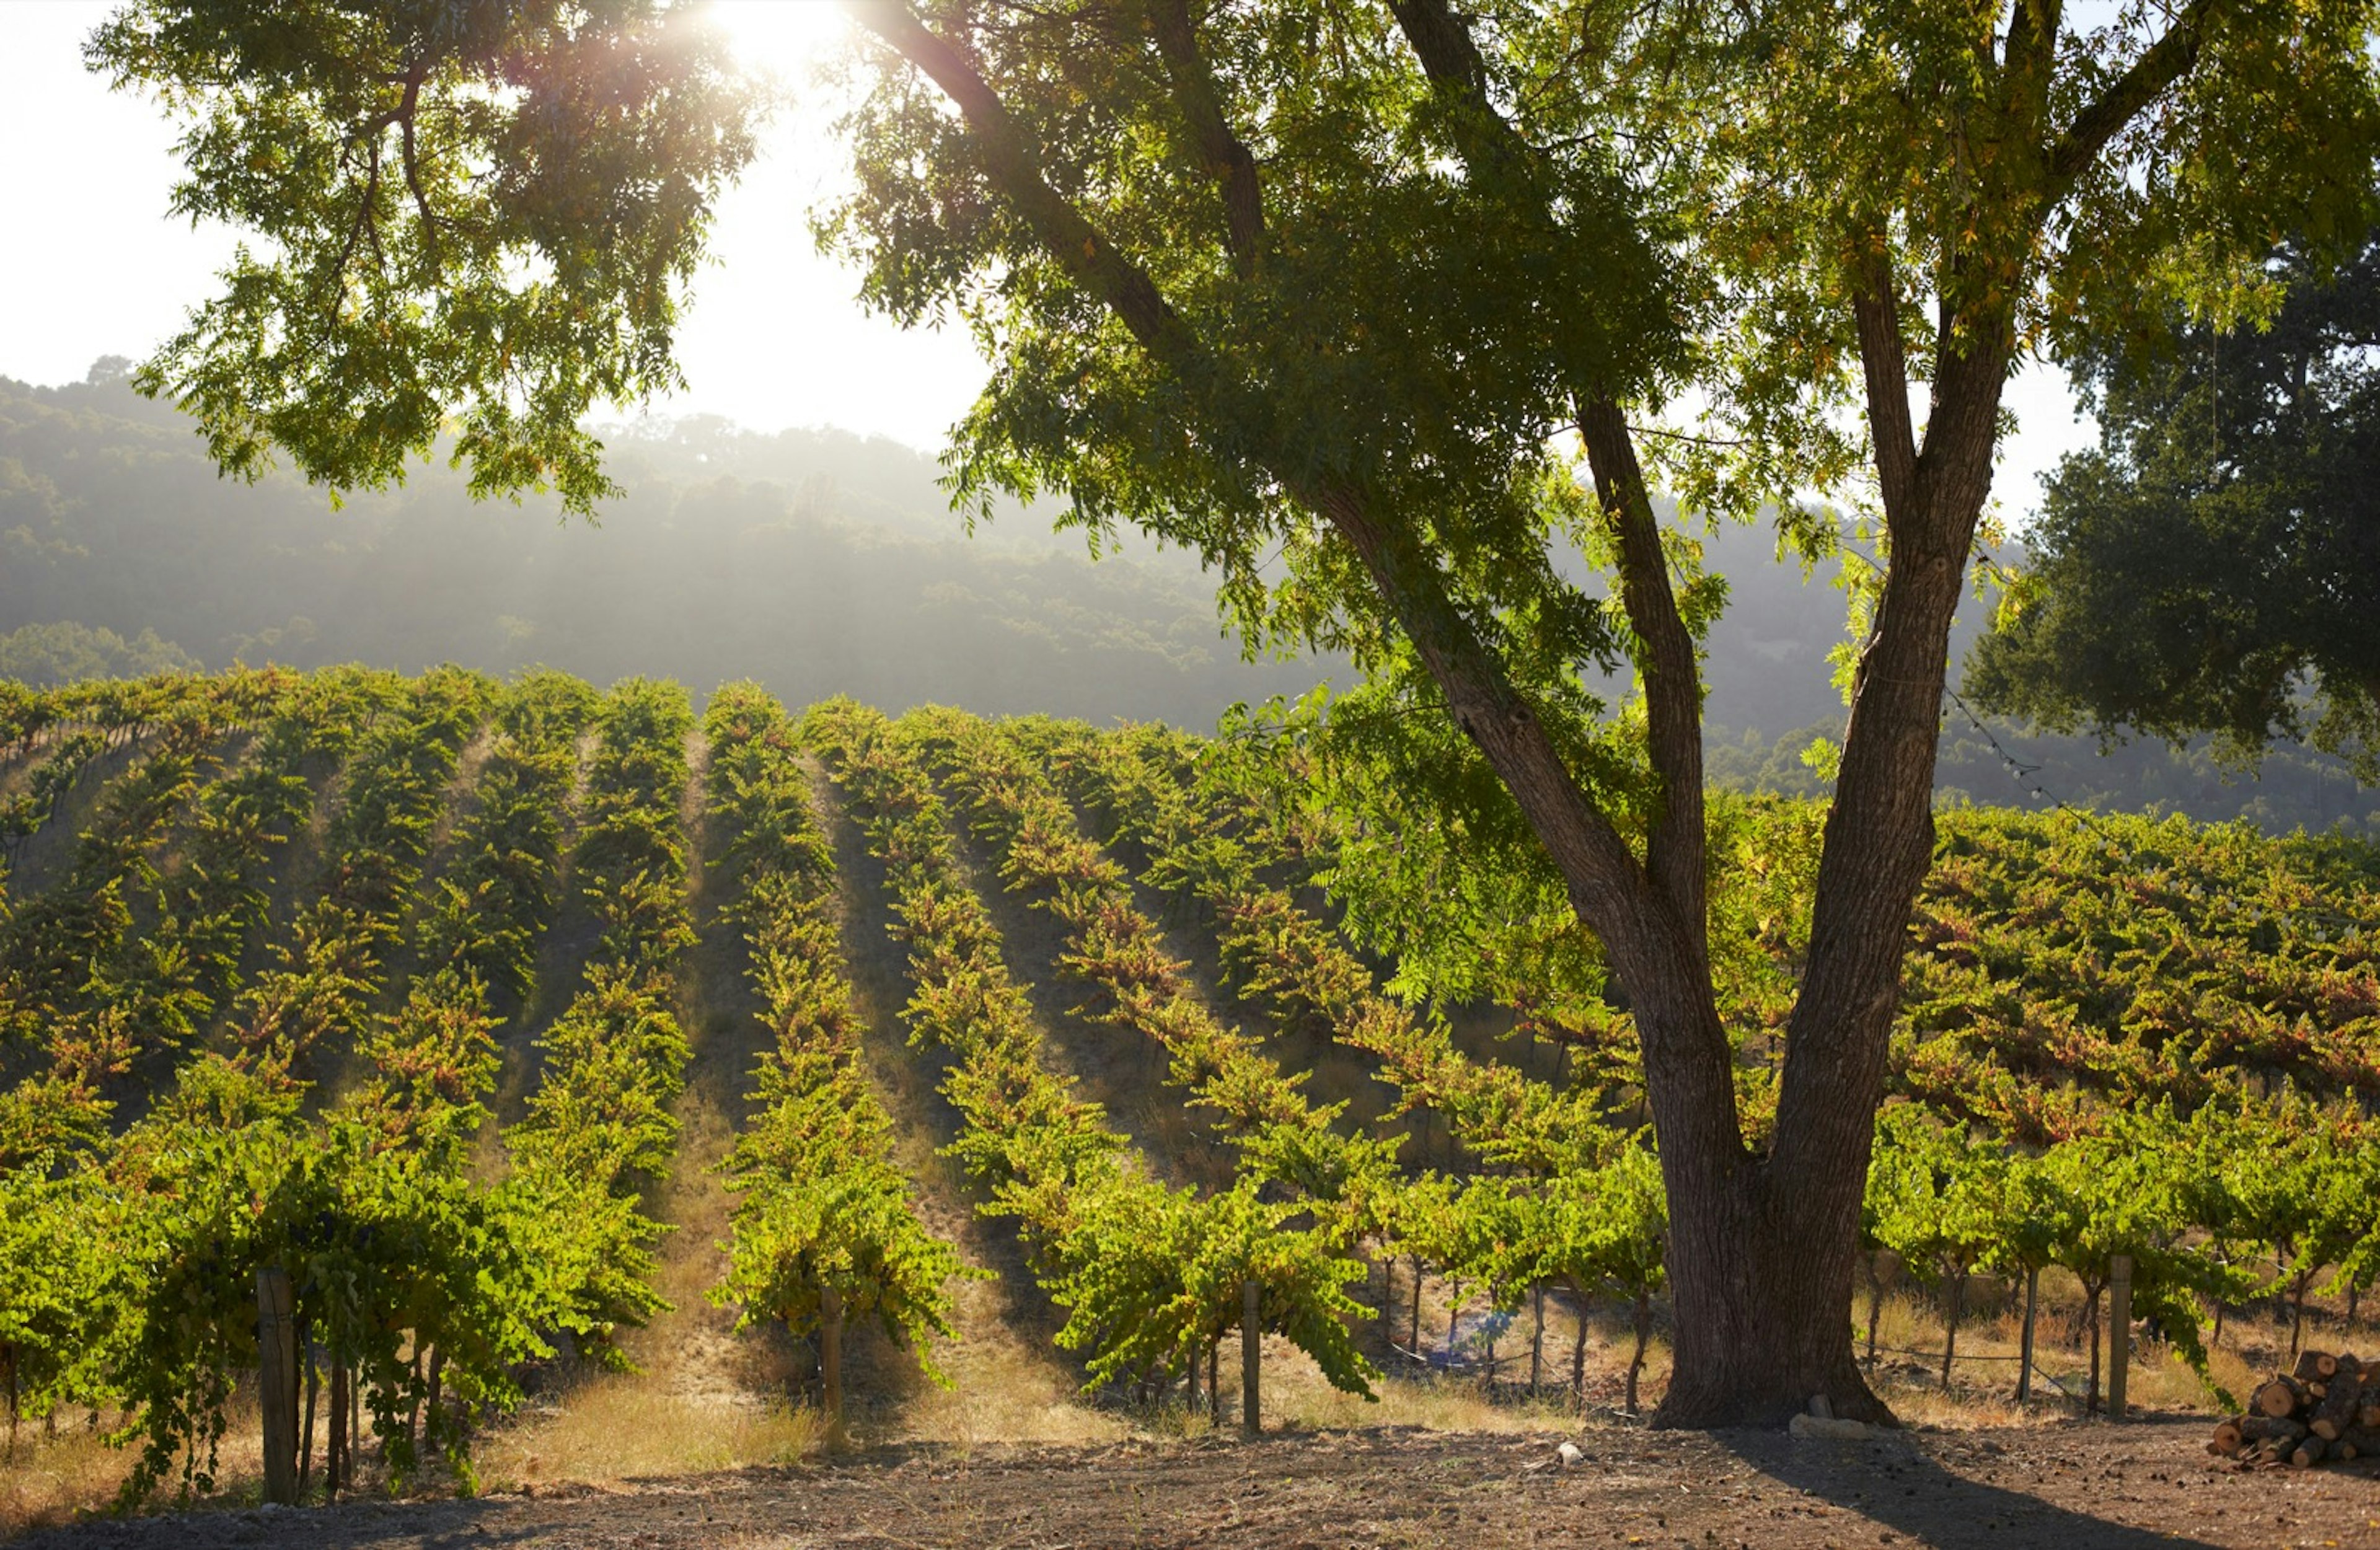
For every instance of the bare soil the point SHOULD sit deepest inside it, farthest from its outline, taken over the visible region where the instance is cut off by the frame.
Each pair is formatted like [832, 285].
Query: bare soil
[2074, 1486]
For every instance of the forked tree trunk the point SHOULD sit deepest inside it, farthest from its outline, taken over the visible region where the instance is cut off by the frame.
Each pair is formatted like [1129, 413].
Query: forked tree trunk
[1760, 1286]
[1762, 1250]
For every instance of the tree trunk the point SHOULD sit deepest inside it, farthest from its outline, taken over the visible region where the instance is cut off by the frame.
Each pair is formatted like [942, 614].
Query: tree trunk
[2297, 1310]
[1760, 1288]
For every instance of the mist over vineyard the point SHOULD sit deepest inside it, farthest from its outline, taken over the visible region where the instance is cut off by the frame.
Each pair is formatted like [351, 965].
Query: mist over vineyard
[821, 564]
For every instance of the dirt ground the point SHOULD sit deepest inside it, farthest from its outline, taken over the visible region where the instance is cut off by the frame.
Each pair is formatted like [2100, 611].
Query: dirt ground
[2075, 1487]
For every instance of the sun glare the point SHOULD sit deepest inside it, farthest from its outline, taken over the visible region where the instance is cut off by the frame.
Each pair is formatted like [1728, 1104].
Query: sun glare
[782, 37]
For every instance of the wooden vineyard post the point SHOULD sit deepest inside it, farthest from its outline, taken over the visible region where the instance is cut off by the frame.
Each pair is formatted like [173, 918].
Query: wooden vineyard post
[276, 1344]
[830, 1360]
[2120, 1331]
[1536, 1338]
[2024, 1358]
[334, 1458]
[1251, 1360]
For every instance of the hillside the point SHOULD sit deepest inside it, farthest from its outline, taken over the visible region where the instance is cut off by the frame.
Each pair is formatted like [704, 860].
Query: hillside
[821, 564]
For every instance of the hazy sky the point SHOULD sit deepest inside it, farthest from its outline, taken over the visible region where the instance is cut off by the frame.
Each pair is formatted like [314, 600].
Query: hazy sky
[94, 266]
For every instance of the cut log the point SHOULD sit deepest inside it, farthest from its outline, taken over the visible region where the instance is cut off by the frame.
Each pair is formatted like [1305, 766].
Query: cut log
[2277, 1399]
[2364, 1439]
[2309, 1453]
[2325, 1364]
[2309, 1366]
[2268, 1428]
[2337, 1410]
[2228, 1437]
[2368, 1413]
[2350, 1362]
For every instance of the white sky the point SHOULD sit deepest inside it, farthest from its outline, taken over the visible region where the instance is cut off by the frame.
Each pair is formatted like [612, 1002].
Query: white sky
[92, 265]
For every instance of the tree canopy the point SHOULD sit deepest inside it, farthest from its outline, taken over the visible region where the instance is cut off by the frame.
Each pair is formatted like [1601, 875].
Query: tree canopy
[2214, 564]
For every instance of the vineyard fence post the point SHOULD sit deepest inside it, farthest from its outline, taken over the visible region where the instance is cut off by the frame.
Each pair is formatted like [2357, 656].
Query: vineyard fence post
[277, 1383]
[1536, 1338]
[2120, 1331]
[1251, 1360]
[831, 1360]
[2025, 1361]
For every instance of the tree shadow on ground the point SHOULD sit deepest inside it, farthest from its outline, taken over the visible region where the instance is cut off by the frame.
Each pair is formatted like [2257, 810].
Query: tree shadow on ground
[1894, 1482]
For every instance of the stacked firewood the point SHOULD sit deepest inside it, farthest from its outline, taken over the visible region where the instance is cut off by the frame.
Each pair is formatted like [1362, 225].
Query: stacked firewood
[2326, 1412]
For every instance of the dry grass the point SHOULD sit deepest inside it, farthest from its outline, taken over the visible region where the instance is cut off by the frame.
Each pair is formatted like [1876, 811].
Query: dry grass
[628, 1426]
[49, 1481]
[1908, 1369]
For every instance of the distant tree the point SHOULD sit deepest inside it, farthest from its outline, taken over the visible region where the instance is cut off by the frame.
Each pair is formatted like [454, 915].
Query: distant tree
[62, 653]
[1312, 289]
[2214, 564]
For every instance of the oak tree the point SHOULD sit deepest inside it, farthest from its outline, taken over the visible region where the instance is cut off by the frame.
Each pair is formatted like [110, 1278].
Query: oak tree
[2214, 564]
[1325, 290]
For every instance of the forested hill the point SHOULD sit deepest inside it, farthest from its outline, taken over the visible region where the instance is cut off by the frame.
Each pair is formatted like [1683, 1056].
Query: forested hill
[821, 564]
[817, 562]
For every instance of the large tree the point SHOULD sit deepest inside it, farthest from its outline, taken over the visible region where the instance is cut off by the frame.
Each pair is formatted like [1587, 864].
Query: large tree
[2214, 564]
[1319, 288]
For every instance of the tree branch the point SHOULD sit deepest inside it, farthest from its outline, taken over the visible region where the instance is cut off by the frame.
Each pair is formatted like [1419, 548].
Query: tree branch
[1089, 259]
[1678, 847]
[1675, 849]
[2169, 59]
[1607, 886]
[1226, 154]
[412, 166]
[1875, 313]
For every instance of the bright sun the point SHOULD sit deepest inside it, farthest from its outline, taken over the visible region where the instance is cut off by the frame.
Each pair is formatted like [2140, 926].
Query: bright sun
[783, 37]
